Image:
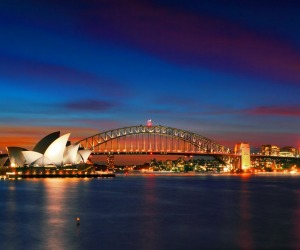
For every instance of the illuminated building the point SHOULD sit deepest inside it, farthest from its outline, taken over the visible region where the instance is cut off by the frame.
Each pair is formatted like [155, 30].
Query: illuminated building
[110, 161]
[271, 150]
[16, 156]
[289, 151]
[52, 150]
[3, 161]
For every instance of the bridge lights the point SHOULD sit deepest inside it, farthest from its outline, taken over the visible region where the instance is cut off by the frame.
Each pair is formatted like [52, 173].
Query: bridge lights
[149, 123]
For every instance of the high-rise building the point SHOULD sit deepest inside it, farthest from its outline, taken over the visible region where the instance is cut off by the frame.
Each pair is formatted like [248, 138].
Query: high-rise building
[271, 150]
[110, 161]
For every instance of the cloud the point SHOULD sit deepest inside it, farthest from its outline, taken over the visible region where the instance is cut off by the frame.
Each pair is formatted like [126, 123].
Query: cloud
[89, 105]
[193, 39]
[275, 110]
[40, 75]
[280, 110]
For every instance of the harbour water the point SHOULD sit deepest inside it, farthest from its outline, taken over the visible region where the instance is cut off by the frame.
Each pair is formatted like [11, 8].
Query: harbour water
[152, 211]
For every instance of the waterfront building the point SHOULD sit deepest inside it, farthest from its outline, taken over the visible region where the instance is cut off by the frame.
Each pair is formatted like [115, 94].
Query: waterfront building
[52, 150]
[289, 151]
[271, 150]
[110, 162]
[3, 161]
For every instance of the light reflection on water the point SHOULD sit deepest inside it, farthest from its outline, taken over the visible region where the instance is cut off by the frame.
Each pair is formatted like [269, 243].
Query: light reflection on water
[245, 237]
[152, 212]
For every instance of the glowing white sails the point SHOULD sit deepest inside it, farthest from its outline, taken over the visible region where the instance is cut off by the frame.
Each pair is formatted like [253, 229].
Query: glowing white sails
[50, 150]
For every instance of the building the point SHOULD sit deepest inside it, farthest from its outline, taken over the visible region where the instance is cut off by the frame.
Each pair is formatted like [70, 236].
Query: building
[270, 150]
[110, 161]
[52, 150]
[273, 150]
[289, 151]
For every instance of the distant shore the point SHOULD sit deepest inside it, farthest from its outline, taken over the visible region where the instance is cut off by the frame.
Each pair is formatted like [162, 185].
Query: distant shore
[191, 173]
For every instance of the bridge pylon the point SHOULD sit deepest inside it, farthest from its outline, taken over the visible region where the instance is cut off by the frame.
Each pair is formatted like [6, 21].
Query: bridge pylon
[237, 163]
[243, 149]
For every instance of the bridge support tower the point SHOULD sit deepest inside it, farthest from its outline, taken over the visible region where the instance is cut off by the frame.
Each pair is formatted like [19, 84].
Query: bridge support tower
[244, 162]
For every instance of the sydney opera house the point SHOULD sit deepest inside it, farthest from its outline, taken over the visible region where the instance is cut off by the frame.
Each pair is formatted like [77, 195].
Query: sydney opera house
[51, 151]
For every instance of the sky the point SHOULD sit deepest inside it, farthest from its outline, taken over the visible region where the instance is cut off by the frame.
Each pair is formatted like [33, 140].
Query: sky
[227, 70]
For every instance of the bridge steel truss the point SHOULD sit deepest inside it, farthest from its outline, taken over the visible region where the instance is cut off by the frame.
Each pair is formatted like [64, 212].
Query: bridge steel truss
[139, 139]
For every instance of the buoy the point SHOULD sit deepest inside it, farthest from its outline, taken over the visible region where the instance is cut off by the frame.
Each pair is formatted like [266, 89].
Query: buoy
[78, 221]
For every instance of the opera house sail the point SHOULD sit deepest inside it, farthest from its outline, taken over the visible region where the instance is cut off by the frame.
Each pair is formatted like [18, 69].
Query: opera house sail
[52, 150]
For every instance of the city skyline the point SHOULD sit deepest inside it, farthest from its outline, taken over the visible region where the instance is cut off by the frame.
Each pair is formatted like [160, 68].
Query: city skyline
[226, 70]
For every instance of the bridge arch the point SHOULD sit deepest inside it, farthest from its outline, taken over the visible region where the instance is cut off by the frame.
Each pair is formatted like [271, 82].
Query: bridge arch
[151, 138]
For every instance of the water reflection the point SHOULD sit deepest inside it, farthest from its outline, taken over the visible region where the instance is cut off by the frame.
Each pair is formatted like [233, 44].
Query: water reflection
[245, 233]
[58, 217]
[151, 212]
[9, 210]
[297, 222]
[54, 208]
[148, 238]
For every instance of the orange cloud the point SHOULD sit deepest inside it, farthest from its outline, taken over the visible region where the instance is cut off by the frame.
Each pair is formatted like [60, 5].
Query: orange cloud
[28, 137]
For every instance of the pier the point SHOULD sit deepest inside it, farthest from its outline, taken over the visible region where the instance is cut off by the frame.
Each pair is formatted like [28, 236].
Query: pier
[55, 174]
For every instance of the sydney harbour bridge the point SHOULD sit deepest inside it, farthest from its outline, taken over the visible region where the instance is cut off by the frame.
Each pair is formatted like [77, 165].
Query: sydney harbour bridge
[163, 140]
[155, 139]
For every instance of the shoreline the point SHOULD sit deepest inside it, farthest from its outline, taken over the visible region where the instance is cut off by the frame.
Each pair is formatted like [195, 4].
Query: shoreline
[44, 176]
[159, 173]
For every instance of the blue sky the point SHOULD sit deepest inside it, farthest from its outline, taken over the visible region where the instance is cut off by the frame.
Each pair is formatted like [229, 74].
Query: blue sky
[228, 70]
